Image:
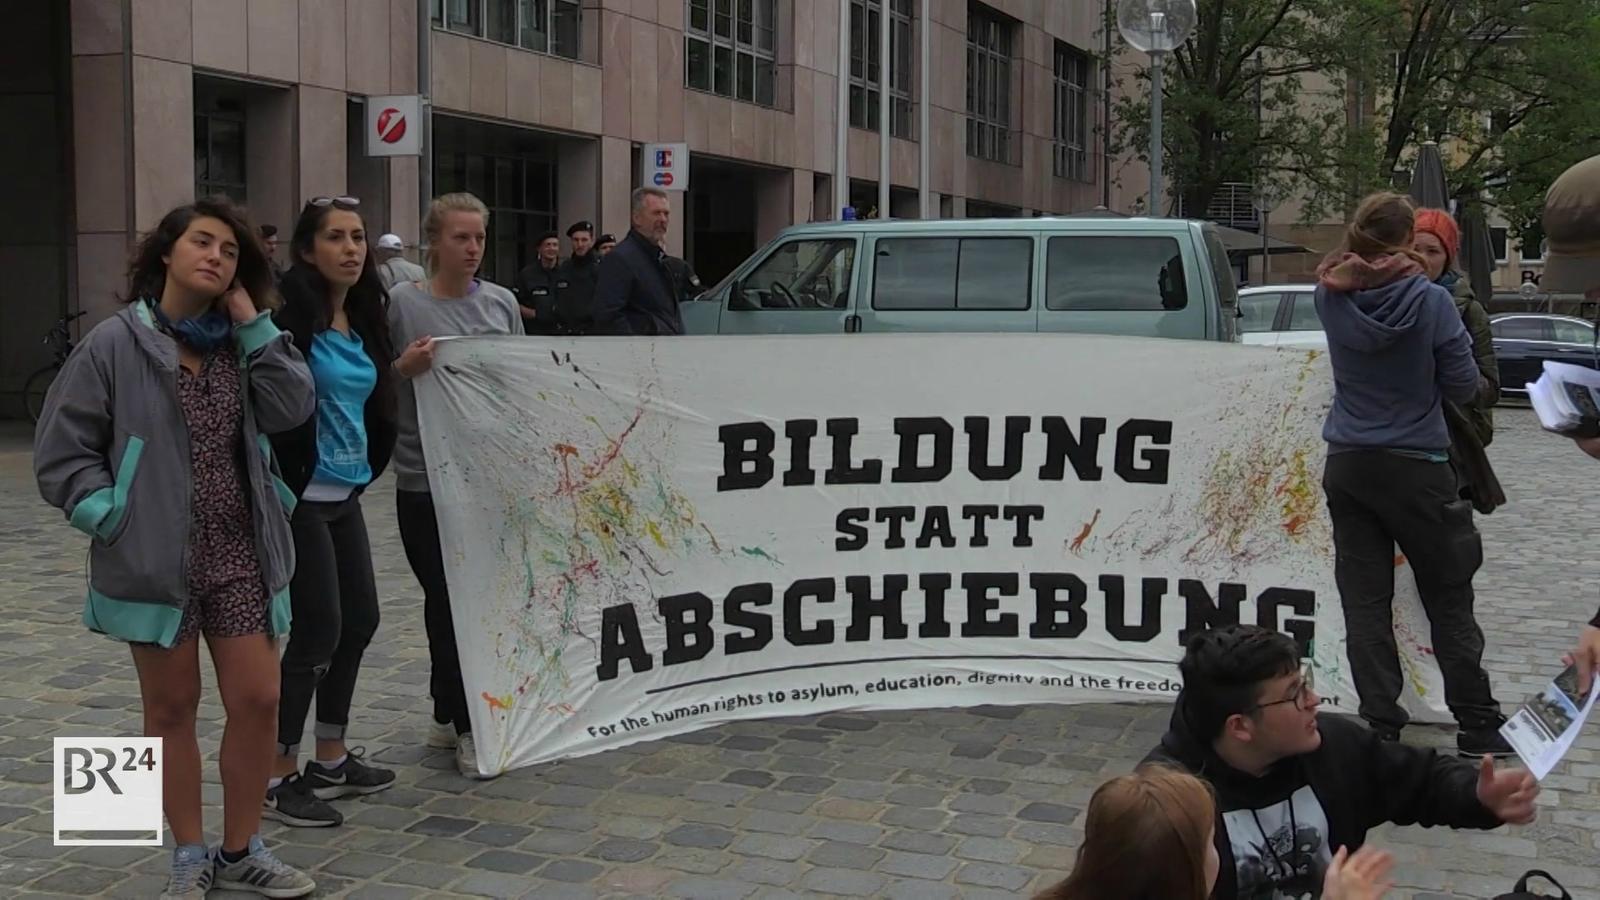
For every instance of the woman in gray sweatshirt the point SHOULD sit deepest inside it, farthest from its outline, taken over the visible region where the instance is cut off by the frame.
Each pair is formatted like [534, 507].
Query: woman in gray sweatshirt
[453, 301]
[153, 441]
[1399, 349]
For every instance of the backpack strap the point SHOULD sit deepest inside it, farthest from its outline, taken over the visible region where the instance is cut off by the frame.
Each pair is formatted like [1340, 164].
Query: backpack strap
[1522, 883]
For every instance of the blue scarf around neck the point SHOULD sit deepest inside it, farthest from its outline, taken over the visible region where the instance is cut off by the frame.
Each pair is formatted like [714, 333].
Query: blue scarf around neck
[202, 334]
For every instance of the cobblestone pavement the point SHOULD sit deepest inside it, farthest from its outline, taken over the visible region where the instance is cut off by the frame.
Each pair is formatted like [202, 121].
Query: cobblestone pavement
[919, 804]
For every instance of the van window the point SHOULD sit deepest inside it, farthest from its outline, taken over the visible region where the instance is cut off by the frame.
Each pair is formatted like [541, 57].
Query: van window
[803, 274]
[953, 273]
[1101, 272]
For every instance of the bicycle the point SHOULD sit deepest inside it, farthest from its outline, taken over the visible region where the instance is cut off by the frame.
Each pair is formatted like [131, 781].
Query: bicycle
[59, 337]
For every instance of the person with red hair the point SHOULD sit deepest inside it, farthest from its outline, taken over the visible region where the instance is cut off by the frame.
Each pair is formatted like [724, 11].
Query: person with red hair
[1438, 242]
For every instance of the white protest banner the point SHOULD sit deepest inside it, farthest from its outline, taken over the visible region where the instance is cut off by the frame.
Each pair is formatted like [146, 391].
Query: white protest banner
[649, 537]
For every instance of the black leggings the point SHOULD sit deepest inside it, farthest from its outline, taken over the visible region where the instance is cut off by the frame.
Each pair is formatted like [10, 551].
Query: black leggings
[1379, 499]
[419, 533]
[335, 603]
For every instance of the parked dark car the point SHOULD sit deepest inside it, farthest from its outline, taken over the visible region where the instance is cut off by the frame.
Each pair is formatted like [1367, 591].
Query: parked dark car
[1523, 341]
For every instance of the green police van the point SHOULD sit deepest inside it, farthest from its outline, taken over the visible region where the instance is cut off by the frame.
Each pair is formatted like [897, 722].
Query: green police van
[1097, 275]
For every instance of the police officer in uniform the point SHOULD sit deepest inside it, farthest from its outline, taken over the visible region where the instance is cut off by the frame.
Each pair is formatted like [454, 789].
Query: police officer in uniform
[575, 283]
[536, 286]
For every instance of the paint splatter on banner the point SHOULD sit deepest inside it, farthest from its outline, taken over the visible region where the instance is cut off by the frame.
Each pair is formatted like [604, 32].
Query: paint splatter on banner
[644, 538]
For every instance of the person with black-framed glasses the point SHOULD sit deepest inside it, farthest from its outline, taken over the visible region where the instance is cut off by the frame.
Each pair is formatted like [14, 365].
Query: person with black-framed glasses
[1293, 785]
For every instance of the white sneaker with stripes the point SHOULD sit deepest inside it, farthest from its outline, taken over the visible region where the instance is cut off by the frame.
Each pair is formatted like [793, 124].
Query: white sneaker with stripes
[262, 873]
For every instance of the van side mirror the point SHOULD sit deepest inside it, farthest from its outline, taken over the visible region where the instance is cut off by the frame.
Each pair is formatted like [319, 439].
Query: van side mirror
[736, 298]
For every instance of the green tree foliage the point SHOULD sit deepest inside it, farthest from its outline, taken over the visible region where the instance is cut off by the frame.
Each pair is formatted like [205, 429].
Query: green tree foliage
[1510, 89]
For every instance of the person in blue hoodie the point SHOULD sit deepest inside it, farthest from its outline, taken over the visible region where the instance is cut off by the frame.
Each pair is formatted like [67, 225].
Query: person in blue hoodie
[1399, 350]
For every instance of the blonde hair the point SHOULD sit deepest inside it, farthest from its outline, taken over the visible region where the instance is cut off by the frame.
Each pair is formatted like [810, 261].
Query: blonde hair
[1385, 223]
[433, 225]
[1144, 839]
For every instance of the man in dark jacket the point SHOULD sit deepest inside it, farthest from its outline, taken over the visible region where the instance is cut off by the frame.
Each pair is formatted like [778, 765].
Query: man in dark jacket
[536, 286]
[575, 283]
[635, 294]
[1294, 786]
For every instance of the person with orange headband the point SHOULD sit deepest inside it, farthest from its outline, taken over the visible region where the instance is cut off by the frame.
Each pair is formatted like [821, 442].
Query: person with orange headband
[1438, 241]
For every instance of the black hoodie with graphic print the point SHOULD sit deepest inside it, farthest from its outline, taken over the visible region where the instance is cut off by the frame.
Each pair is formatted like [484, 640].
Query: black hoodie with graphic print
[1276, 833]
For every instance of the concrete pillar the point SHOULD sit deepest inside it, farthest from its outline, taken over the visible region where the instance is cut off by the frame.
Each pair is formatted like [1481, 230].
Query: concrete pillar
[321, 143]
[270, 159]
[366, 177]
[801, 198]
[163, 138]
[404, 217]
[676, 245]
[616, 183]
[578, 186]
[822, 199]
[775, 204]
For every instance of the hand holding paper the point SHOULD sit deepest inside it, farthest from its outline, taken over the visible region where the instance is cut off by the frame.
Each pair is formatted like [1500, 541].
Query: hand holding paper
[1586, 658]
[1544, 728]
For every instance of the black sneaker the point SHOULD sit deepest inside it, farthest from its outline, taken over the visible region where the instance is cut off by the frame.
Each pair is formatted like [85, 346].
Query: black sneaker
[292, 803]
[351, 778]
[1486, 741]
[1387, 735]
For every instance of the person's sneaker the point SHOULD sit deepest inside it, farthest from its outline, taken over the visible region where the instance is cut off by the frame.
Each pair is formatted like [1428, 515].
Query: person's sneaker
[191, 873]
[1486, 741]
[262, 873]
[351, 778]
[467, 759]
[292, 802]
[441, 735]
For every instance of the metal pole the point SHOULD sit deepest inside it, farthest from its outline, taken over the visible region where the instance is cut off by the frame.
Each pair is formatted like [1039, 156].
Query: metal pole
[1156, 206]
[841, 129]
[1105, 134]
[925, 140]
[1266, 256]
[885, 102]
[425, 88]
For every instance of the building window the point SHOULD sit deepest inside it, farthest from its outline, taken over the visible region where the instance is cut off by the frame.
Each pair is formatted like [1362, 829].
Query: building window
[219, 156]
[989, 40]
[543, 26]
[731, 49]
[518, 187]
[1071, 149]
[952, 273]
[866, 71]
[1498, 236]
[1531, 246]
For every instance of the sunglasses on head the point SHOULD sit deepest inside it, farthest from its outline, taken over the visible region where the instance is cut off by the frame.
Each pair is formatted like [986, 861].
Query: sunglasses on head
[336, 202]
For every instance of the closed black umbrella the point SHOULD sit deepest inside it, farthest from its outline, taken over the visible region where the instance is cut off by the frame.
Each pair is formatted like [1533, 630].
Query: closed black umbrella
[1477, 252]
[1428, 189]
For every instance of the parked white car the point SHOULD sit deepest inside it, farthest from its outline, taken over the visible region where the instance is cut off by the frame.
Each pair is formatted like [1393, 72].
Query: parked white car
[1280, 315]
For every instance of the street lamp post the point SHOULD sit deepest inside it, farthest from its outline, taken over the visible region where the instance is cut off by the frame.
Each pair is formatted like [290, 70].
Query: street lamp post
[1157, 27]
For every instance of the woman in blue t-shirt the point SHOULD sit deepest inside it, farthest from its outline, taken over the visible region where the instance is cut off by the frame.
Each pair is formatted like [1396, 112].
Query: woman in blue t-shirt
[334, 306]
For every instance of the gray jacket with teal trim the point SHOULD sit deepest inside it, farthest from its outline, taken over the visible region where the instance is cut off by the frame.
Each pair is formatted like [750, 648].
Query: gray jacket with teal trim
[112, 451]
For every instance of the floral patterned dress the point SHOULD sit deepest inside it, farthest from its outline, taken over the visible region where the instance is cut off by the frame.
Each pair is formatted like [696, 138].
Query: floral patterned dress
[227, 594]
